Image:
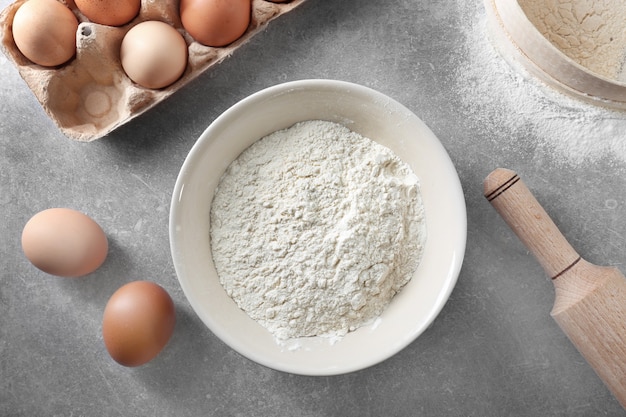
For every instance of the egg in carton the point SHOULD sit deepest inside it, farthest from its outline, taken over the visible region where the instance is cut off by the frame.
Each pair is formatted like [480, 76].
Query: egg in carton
[91, 95]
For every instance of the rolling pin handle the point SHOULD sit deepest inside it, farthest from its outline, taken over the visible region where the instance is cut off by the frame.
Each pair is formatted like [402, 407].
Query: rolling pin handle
[508, 194]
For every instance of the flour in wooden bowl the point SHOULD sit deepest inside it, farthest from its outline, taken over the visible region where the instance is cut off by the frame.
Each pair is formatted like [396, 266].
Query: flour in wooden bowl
[590, 32]
[502, 97]
[315, 228]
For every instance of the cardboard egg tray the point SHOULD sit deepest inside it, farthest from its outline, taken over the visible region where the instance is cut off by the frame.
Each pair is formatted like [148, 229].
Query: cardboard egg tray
[90, 96]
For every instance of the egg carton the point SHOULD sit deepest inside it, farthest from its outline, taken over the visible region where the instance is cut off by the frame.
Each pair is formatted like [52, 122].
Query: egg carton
[91, 95]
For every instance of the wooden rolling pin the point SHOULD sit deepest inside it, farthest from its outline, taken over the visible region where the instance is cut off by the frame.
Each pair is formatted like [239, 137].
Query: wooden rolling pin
[590, 300]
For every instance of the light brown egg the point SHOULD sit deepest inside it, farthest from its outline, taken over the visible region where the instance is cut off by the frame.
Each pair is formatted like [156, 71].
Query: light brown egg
[138, 321]
[215, 22]
[45, 32]
[109, 12]
[64, 242]
[153, 54]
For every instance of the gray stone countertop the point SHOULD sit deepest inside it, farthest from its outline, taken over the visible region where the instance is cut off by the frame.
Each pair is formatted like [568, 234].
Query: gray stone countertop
[493, 351]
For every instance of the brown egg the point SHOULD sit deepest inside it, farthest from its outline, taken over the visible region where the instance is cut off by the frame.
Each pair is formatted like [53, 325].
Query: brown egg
[64, 242]
[109, 12]
[215, 22]
[153, 54]
[45, 32]
[138, 322]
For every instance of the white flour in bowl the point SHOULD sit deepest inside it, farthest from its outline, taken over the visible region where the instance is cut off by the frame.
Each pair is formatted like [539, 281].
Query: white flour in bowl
[315, 228]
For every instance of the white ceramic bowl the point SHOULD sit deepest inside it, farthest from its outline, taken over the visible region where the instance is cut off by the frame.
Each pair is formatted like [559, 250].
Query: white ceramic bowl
[373, 115]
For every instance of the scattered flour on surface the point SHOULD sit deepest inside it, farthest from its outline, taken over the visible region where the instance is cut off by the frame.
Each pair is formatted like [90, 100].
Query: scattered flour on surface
[315, 228]
[498, 93]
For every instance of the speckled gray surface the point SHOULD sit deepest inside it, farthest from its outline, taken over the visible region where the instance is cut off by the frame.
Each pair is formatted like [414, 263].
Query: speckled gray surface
[493, 350]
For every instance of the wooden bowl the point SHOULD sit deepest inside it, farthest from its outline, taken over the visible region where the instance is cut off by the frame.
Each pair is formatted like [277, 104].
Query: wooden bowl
[572, 47]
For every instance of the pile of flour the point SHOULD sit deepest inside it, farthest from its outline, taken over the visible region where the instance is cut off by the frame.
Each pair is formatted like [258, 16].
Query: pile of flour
[315, 228]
